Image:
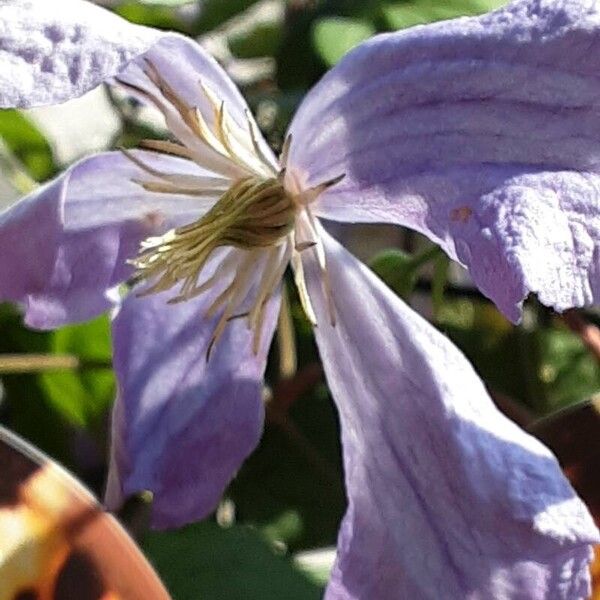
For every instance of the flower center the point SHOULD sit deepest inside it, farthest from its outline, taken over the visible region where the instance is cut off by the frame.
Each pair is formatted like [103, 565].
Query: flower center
[253, 213]
[261, 225]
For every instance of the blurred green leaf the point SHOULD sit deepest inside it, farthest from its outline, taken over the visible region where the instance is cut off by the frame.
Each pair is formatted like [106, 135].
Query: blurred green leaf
[317, 564]
[170, 3]
[207, 561]
[286, 528]
[215, 12]
[261, 40]
[152, 14]
[399, 15]
[490, 342]
[396, 269]
[26, 142]
[400, 270]
[567, 369]
[84, 395]
[23, 405]
[334, 36]
[281, 491]
[544, 367]
[439, 280]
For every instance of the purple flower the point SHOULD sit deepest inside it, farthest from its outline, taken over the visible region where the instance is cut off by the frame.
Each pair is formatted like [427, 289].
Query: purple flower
[482, 133]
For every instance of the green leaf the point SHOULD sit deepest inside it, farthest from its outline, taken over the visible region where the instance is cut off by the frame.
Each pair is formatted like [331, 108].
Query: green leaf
[334, 36]
[399, 15]
[166, 2]
[216, 12]
[400, 270]
[84, 395]
[568, 370]
[281, 490]
[545, 367]
[26, 142]
[261, 40]
[396, 269]
[152, 14]
[439, 280]
[207, 561]
[317, 564]
[24, 407]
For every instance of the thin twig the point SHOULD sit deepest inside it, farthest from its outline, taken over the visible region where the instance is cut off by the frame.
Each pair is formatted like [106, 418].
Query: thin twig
[36, 363]
[285, 393]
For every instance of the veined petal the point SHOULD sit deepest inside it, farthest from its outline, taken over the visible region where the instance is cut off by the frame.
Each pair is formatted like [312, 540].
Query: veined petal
[67, 243]
[182, 426]
[51, 52]
[109, 187]
[447, 498]
[434, 124]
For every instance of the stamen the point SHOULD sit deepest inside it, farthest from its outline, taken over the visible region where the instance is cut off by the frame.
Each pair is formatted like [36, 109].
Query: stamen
[272, 274]
[208, 158]
[189, 290]
[254, 136]
[165, 187]
[300, 281]
[135, 90]
[253, 213]
[311, 194]
[166, 147]
[166, 90]
[234, 294]
[183, 181]
[285, 150]
[302, 246]
[238, 144]
[321, 259]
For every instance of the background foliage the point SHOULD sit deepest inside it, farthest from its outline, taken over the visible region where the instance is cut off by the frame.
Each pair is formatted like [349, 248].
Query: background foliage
[268, 537]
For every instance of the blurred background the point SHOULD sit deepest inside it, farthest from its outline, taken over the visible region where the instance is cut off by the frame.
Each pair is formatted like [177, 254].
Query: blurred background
[274, 533]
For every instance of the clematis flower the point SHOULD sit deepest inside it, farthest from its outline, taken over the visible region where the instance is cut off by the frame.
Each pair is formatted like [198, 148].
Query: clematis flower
[482, 133]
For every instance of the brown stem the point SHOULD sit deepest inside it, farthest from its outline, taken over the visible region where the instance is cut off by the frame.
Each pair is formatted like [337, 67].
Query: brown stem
[512, 409]
[588, 332]
[285, 393]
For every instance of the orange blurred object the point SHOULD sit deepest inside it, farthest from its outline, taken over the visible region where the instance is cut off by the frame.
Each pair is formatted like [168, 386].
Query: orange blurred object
[57, 542]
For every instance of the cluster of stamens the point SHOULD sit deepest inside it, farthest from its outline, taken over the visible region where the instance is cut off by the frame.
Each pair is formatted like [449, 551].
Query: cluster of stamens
[254, 215]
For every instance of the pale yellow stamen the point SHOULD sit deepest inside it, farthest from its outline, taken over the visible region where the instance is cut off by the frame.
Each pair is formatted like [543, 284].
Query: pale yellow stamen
[167, 148]
[234, 294]
[285, 150]
[323, 264]
[253, 213]
[272, 274]
[193, 184]
[300, 282]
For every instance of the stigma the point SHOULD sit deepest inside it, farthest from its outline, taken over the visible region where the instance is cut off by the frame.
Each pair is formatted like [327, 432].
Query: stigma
[259, 220]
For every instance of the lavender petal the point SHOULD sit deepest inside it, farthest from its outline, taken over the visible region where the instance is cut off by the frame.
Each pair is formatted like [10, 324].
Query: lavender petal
[183, 425]
[447, 497]
[66, 244]
[482, 133]
[53, 52]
